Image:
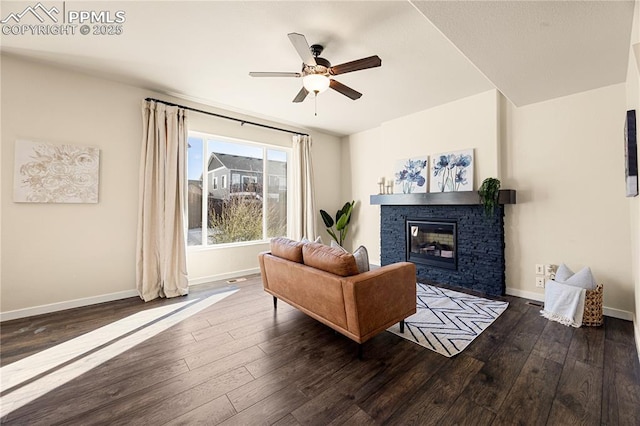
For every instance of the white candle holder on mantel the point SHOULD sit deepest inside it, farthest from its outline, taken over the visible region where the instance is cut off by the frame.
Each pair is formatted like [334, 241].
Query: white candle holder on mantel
[389, 186]
[381, 186]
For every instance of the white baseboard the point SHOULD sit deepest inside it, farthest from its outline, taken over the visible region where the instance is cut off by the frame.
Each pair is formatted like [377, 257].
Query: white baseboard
[525, 294]
[610, 312]
[69, 304]
[87, 301]
[617, 313]
[76, 303]
[220, 277]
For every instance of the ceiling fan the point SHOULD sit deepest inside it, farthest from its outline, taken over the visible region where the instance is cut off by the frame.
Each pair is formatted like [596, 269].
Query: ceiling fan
[317, 72]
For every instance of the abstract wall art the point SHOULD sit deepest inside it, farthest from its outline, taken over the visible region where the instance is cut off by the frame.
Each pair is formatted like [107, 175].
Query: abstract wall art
[55, 173]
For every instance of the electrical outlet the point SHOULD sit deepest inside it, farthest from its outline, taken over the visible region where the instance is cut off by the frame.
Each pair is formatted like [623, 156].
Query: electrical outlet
[540, 282]
[539, 269]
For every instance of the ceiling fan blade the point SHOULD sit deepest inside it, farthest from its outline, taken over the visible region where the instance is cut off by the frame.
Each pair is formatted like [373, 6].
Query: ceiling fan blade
[275, 74]
[345, 90]
[357, 65]
[302, 47]
[302, 94]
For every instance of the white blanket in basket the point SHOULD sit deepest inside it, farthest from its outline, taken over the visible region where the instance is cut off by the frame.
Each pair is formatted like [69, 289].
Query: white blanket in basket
[563, 303]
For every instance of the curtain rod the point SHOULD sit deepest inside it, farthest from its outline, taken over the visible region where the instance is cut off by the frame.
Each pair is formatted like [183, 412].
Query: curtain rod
[242, 122]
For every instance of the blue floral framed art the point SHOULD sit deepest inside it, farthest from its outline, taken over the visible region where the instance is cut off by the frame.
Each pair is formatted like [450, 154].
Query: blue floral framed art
[452, 171]
[410, 175]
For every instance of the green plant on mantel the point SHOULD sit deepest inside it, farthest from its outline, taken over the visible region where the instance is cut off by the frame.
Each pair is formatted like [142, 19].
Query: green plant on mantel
[343, 218]
[488, 192]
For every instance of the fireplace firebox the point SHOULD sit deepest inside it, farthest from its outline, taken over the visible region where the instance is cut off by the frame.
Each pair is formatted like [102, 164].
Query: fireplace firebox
[432, 243]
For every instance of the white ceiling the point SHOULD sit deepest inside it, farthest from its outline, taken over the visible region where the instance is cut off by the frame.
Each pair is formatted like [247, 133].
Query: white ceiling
[537, 50]
[204, 50]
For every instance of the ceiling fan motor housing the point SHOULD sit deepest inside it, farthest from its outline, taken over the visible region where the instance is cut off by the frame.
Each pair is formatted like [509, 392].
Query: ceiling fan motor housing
[322, 65]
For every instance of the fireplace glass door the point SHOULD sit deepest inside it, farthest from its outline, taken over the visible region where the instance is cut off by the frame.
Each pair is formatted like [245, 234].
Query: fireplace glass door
[432, 243]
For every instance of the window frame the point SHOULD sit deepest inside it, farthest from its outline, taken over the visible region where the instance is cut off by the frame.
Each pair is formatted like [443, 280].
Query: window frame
[225, 182]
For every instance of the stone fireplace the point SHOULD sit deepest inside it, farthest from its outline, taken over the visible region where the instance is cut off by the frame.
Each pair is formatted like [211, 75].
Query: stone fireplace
[474, 261]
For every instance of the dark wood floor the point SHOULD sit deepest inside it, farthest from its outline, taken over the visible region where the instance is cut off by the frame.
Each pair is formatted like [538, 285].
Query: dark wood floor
[239, 362]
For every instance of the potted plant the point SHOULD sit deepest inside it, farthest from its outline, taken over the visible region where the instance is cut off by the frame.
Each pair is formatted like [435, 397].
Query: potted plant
[343, 217]
[488, 192]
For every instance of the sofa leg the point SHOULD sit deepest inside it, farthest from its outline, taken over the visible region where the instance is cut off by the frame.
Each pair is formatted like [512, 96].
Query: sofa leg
[275, 302]
[402, 326]
[360, 351]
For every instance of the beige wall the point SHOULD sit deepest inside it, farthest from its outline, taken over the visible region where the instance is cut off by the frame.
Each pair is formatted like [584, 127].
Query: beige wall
[564, 158]
[466, 123]
[59, 253]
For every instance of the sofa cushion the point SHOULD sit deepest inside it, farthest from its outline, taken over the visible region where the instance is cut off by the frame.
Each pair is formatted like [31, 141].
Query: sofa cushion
[329, 259]
[287, 249]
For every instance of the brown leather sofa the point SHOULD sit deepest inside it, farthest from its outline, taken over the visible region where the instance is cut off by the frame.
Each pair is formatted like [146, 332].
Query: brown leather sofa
[324, 283]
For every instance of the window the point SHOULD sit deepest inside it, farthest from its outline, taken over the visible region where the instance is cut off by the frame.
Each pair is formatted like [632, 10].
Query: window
[249, 183]
[274, 182]
[235, 182]
[277, 183]
[251, 207]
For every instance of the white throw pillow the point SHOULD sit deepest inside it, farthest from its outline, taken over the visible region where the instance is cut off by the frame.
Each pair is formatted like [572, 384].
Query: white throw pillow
[362, 259]
[583, 278]
[361, 255]
[563, 273]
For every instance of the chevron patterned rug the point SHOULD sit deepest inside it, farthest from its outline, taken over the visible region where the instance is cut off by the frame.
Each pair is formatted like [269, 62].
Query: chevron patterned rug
[447, 321]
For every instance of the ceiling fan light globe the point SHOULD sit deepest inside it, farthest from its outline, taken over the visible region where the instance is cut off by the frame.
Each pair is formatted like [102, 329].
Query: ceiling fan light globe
[315, 83]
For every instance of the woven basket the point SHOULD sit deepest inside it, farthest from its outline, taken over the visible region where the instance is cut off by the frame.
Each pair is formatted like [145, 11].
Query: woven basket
[592, 316]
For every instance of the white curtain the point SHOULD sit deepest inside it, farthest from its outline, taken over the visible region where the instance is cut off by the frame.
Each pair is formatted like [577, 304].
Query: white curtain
[304, 206]
[161, 265]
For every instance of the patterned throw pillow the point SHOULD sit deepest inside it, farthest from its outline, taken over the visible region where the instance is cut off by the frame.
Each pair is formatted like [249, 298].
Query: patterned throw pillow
[361, 255]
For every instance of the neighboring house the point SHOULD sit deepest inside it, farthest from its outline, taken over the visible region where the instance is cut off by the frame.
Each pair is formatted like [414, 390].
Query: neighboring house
[230, 175]
[237, 176]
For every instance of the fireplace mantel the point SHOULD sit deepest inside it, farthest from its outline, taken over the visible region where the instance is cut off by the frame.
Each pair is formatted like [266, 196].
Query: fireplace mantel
[506, 196]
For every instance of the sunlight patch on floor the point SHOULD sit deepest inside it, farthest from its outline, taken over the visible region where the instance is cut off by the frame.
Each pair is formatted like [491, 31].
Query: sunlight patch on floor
[88, 352]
